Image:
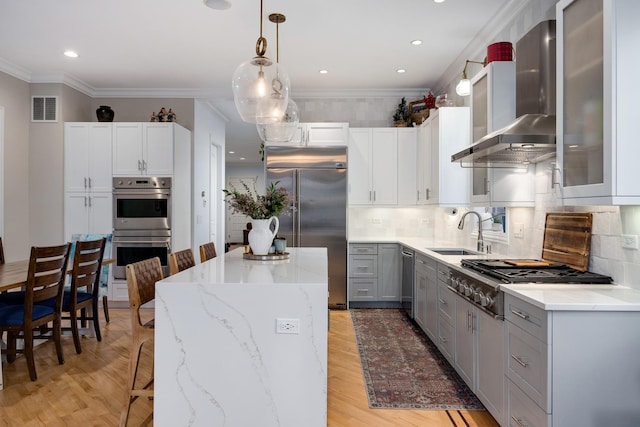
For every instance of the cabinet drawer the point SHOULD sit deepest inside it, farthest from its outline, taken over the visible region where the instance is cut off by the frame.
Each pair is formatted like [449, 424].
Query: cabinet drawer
[443, 274]
[363, 266]
[362, 289]
[425, 263]
[119, 291]
[446, 343]
[528, 317]
[363, 249]
[446, 303]
[527, 364]
[523, 411]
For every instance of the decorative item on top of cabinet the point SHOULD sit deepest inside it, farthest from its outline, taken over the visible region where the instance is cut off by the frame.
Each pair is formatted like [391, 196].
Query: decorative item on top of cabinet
[401, 116]
[598, 92]
[441, 182]
[493, 106]
[105, 113]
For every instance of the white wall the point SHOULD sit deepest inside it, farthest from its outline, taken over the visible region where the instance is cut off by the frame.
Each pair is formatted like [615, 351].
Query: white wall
[208, 134]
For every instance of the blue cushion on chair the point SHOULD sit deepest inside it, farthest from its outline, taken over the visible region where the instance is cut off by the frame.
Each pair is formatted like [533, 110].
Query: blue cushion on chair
[13, 315]
[82, 296]
[104, 274]
[12, 298]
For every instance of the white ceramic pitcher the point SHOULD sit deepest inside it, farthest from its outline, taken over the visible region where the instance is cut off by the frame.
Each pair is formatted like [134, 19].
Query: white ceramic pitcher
[261, 237]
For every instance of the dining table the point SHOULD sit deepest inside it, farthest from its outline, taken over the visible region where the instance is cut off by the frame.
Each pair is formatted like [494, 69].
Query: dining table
[13, 275]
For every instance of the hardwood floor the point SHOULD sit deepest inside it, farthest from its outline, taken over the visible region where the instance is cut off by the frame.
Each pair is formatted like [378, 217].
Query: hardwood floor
[88, 390]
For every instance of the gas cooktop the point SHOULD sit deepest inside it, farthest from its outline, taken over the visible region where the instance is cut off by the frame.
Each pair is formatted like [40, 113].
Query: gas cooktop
[533, 271]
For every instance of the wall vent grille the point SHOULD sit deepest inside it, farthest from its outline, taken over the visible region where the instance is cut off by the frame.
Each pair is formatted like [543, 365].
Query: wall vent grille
[44, 108]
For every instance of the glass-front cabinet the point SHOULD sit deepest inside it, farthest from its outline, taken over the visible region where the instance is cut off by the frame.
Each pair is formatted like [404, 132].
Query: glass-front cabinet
[598, 92]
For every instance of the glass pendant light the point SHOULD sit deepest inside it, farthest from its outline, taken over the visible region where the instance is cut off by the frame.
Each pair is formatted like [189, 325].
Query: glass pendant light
[260, 87]
[281, 130]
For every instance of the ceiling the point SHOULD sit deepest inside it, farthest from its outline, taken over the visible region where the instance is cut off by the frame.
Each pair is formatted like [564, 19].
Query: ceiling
[178, 48]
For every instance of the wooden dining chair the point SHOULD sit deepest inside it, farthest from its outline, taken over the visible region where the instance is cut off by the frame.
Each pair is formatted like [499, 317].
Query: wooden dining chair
[85, 287]
[181, 260]
[207, 251]
[141, 283]
[41, 304]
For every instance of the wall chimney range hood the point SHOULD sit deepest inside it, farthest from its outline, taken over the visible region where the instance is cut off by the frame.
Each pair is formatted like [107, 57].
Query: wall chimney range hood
[531, 138]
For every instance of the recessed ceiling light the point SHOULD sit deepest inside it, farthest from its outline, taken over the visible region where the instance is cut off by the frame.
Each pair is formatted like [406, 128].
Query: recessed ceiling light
[242, 158]
[438, 1]
[416, 42]
[323, 71]
[70, 54]
[401, 71]
[232, 152]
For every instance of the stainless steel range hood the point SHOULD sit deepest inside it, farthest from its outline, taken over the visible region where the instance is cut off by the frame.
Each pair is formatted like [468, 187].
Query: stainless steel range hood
[531, 138]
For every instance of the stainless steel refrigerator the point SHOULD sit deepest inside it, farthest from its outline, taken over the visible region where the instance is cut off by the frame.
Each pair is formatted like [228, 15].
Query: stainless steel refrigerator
[316, 178]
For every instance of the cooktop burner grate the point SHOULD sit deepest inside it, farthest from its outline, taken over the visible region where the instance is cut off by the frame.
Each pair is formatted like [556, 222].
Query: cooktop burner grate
[555, 273]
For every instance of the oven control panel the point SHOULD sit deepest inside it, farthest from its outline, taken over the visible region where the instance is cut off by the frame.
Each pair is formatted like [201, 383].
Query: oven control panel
[484, 295]
[142, 182]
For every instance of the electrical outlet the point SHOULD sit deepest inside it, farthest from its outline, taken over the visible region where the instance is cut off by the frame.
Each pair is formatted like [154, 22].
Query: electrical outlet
[630, 241]
[287, 326]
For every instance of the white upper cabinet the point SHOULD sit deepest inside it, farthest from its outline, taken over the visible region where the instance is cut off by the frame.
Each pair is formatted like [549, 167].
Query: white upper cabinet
[143, 149]
[87, 157]
[407, 165]
[598, 92]
[373, 166]
[441, 182]
[493, 106]
[320, 134]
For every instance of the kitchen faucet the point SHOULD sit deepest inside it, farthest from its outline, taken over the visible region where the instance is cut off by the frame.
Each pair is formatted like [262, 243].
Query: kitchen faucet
[480, 245]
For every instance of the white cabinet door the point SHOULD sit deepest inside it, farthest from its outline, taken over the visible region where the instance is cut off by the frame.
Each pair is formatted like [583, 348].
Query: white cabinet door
[442, 182]
[373, 167]
[384, 166]
[100, 213]
[76, 214]
[358, 166]
[158, 149]
[87, 157]
[423, 174]
[407, 151]
[127, 149]
[320, 134]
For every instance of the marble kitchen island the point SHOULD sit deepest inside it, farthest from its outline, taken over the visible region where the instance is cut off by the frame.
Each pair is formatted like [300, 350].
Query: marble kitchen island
[218, 358]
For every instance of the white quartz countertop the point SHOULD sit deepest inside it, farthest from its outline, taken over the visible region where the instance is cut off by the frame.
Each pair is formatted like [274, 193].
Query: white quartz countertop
[546, 296]
[564, 297]
[304, 266]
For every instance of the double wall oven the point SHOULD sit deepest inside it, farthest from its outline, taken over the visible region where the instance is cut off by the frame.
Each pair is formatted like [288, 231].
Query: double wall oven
[141, 221]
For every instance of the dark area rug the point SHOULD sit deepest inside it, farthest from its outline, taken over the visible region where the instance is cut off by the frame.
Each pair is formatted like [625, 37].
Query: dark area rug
[402, 368]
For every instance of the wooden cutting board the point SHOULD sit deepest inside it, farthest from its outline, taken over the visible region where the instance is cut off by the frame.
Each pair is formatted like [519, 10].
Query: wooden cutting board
[528, 263]
[567, 238]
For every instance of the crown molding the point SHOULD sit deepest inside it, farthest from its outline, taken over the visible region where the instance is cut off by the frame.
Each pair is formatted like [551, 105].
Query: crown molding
[15, 71]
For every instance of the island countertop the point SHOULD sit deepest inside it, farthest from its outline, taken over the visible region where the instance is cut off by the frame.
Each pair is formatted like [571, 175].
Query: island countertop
[242, 342]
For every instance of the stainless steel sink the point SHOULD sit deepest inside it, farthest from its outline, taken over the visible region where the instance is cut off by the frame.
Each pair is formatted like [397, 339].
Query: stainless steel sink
[453, 251]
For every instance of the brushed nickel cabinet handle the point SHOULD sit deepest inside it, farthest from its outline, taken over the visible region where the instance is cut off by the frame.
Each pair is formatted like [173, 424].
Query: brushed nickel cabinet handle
[520, 360]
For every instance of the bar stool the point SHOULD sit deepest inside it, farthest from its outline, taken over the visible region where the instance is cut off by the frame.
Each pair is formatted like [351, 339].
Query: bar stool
[141, 283]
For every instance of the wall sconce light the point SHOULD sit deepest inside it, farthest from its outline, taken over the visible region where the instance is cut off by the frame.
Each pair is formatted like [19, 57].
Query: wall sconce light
[284, 129]
[260, 86]
[463, 88]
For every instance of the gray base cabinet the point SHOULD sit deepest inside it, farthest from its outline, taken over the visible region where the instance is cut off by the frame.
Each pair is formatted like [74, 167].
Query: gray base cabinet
[426, 291]
[374, 274]
[571, 368]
